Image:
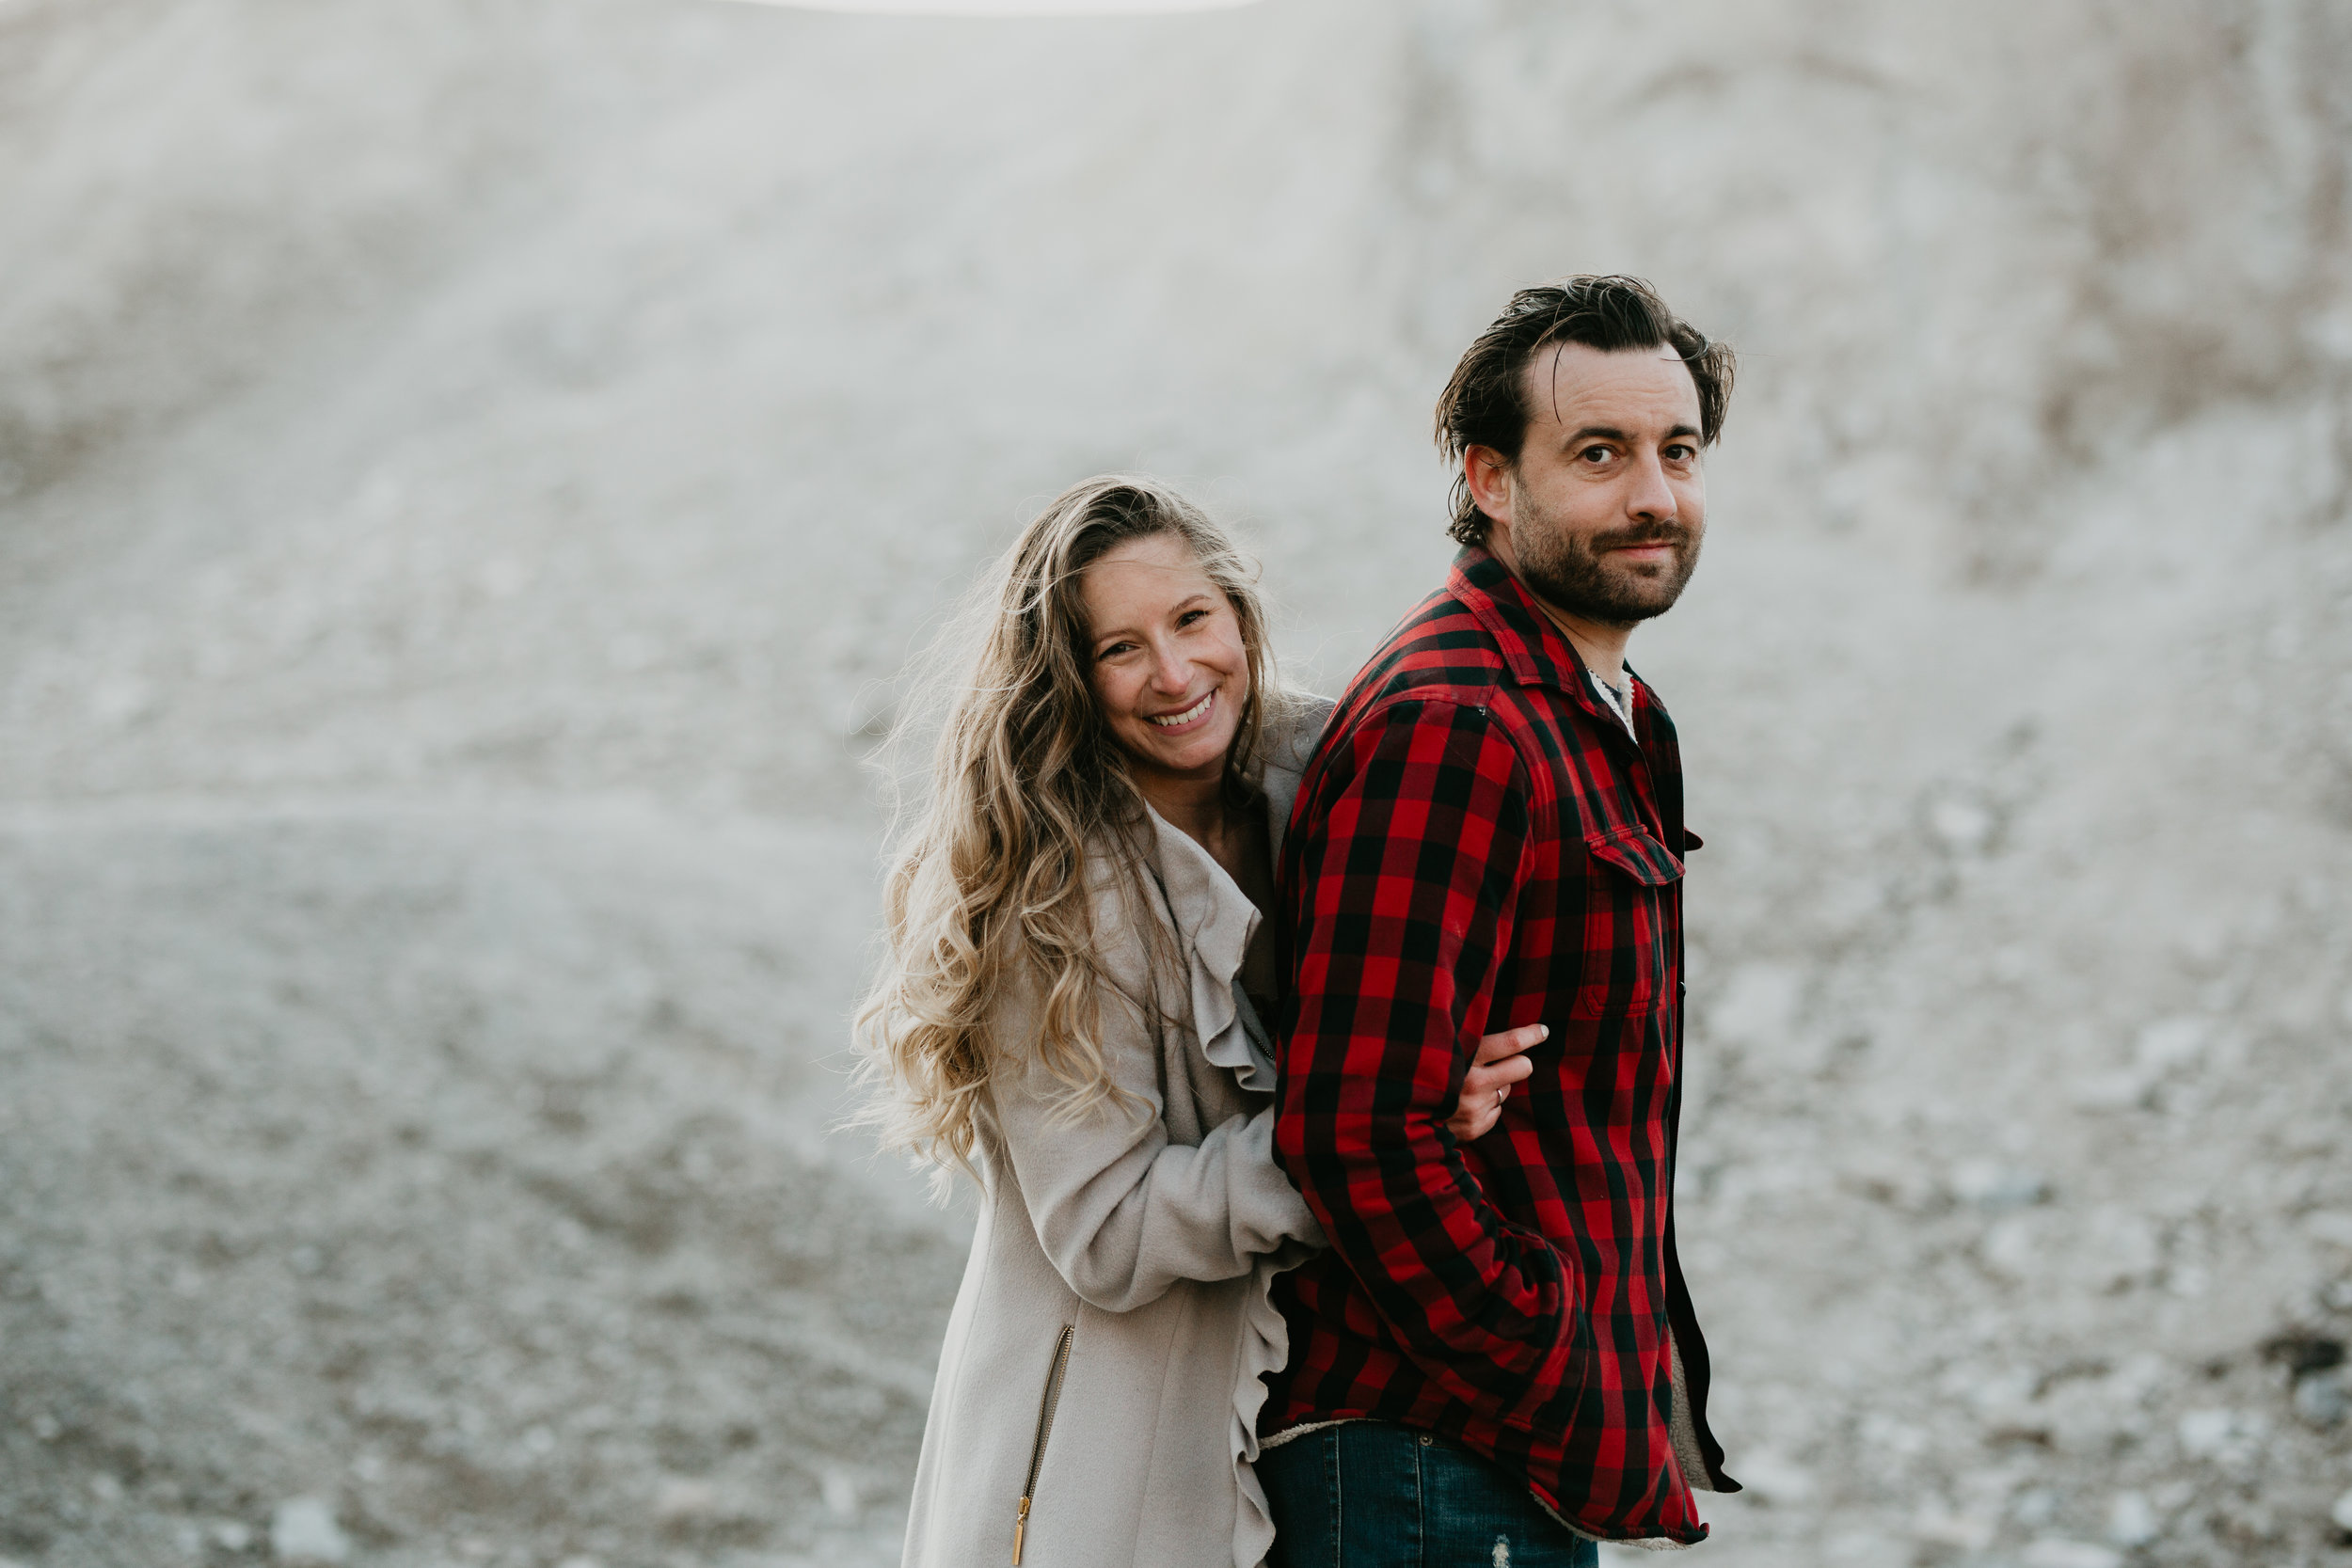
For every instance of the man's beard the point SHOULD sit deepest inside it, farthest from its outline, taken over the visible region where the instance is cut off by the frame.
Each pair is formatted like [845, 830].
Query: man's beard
[1572, 573]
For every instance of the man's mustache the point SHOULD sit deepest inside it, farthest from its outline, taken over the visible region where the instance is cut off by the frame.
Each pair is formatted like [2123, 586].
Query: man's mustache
[1677, 534]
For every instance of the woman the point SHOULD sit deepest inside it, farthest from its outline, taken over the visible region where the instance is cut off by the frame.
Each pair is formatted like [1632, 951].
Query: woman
[1070, 1009]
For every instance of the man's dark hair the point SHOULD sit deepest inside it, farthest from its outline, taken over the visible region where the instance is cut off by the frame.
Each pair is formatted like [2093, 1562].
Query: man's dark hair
[1485, 403]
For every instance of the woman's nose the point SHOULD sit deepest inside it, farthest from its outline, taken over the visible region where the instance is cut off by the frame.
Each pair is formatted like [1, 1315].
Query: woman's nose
[1170, 674]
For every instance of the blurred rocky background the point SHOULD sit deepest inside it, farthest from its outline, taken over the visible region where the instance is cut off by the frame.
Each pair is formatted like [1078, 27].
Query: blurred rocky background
[471, 471]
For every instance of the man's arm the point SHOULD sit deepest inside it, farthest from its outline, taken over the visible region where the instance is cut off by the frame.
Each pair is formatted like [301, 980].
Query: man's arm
[1404, 887]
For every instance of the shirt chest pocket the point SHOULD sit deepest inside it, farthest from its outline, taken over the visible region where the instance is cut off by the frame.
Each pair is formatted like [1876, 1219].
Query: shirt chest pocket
[1631, 917]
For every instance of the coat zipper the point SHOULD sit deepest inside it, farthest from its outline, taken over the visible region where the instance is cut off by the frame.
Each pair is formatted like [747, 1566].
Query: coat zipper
[1044, 1425]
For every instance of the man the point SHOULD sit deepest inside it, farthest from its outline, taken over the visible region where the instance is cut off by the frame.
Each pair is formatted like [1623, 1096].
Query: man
[1496, 1361]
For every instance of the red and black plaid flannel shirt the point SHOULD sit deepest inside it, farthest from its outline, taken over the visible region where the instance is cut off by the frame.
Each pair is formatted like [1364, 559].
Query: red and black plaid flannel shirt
[1479, 845]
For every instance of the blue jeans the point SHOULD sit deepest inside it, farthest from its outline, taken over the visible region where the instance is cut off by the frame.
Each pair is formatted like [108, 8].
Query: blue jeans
[1374, 1495]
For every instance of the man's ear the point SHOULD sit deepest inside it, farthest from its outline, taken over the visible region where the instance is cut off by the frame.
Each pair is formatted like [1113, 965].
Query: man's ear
[1488, 474]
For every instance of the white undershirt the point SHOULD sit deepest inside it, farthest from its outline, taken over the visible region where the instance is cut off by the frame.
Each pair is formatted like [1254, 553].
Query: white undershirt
[1620, 702]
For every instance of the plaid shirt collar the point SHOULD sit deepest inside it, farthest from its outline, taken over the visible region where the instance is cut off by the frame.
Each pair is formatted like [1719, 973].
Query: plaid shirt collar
[1537, 651]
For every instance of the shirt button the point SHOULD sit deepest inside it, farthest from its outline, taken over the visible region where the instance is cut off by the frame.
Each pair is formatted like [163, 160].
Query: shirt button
[1426, 1440]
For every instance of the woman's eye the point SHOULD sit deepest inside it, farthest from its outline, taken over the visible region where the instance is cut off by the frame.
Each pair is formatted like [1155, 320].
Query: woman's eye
[1189, 616]
[1115, 650]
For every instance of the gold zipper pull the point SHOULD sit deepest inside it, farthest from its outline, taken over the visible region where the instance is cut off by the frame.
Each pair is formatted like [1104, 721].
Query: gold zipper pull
[1020, 1528]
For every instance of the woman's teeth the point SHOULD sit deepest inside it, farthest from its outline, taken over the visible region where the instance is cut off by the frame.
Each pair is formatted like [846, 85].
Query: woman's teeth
[1170, 721]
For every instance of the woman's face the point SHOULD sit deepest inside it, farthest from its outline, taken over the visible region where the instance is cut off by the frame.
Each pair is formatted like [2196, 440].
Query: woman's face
[1165, 657]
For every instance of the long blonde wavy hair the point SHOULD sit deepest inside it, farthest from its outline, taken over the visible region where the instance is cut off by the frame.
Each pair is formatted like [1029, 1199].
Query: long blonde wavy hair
[988, 884]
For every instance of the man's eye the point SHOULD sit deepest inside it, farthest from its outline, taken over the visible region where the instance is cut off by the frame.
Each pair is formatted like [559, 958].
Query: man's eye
[1595, 454]
[1681, 454]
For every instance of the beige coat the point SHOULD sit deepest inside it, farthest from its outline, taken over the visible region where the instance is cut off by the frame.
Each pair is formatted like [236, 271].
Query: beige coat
[1113, 1322]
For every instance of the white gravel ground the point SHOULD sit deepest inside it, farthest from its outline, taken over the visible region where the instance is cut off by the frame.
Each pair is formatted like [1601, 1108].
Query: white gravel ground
[471, 471]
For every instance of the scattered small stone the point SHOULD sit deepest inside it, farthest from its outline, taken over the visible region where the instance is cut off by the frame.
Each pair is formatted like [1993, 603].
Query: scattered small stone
[1756, 1008]
[231, 1536]
[1962, 825]
[1863, 1549]
[1889, 1435]
[2136, 1377]
[2053, 1552]
[1970, 1532]
[837, 1489]
[2342, 1513]
[2171, 1043]
[2300, 1353]
[2224, 1437]
[2011, 1248]
[2132, 1520]
[1990, 1184]
[1775, 1478]
[2323, 1399]
[682, 1499]
[2329, 1224]
[2125, 1249]
[2111, 1091]
[579, 1563]
[303, 1531]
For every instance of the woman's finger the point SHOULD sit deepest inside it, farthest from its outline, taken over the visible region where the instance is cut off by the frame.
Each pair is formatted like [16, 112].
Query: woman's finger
[1498, 1064]
[1490, 1076]
[1510, 1042]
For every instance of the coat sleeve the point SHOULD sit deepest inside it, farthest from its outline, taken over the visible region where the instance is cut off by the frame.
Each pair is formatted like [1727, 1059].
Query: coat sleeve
[1404, 879]
[1121, 1211]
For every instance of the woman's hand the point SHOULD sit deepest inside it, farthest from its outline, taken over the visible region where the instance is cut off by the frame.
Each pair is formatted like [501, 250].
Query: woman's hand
[1487, 1084]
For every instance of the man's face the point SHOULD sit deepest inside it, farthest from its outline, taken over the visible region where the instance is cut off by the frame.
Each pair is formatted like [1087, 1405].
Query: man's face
[1603, 514]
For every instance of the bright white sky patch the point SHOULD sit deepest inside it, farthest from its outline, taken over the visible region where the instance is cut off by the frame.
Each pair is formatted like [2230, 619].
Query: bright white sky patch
[1009, 7]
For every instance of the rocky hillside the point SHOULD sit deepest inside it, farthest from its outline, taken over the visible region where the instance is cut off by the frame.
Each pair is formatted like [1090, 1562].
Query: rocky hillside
[471, 474]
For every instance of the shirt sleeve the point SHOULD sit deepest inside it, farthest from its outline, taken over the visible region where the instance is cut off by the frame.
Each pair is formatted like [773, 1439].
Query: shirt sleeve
[1121, 1210]
[1403, 880]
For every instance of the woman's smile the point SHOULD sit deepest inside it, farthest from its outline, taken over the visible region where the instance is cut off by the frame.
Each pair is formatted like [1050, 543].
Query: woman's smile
[1196, 714]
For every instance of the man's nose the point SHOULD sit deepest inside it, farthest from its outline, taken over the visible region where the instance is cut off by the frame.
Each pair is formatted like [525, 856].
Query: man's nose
[1651, 500]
